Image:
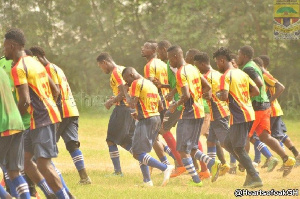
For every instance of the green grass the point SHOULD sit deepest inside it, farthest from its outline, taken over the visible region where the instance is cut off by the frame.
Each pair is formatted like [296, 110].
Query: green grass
[92, 134]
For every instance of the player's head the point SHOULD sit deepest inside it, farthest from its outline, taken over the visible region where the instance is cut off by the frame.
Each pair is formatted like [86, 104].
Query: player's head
[189, 56]
[105, 62]
[222, 57]
[233, 60]
[245, 54]
[129, 74]
[40, 54]
[149, 48]
[28, 52]
[259, 62]
[14, 42]
[161, 50]
[202, 62]
[175, 56]
[266, 60]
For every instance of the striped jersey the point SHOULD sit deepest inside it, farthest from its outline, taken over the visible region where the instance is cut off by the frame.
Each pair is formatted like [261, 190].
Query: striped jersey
[189, 75]
[116, 80]
[43, 110]
[149, 98]
[219, 109]
[156, 68]
[270, 87]
[237, 83]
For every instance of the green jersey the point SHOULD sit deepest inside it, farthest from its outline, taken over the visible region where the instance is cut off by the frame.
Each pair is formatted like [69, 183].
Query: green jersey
[172, 83]
[6, 65]
[206, 107]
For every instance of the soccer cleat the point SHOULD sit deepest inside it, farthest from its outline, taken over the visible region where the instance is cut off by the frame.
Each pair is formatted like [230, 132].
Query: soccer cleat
[167, 174]
[253, 182]
[147, 184]
[247, 180]
[297, 161]
[232, 169]
[215, 170]
[224, 169]
[178, 171]
[272, 163]
[281, 168]
[241, 168]
[288, 166]
[265, 165]
[87, 180]
[120, 174]
[194, 184]
[204, 175]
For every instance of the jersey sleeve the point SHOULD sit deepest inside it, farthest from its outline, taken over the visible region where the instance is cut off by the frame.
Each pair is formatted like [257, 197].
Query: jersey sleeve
[53, 74]
[251, 72]
[19, 75]
[135, 89]
[269, 79]
[181, 78]
[149, 70]
[225, 82]
[117, 76]
[251, 82]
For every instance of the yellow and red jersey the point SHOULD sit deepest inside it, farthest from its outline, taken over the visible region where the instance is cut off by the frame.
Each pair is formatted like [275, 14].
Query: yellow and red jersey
[116, 80]
[237, 83]
[148, 95]
[66, 102]
[156, 68]
[270, 88]
[189, 75]
[218, 109]
[43, 109]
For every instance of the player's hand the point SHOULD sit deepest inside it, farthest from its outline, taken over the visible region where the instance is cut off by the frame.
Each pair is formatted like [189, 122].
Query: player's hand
[169, 97]
[206, 96]
[157, 83]
[172, 107]
[134, 115]
[109, 103]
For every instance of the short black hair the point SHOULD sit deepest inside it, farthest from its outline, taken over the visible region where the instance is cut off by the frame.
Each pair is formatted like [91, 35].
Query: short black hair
[174, 47]
[259, 62]
[37, 51]
[17, 35]
[130, 69]
[194, 51]
[233, 56]
[153, 44]
[164, 44]
[104, 56]
[202, 57]
[248, 51]
[265, 59]
[223, 52]
[28, 52]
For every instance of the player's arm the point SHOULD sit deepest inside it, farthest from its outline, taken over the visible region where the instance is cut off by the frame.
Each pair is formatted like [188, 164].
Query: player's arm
[206, 88]
[55, 91]
[170, 95]
[254, 76]
[24, 98]
[158, 84]
[132, 102]
[253, 90]
[184, 97]
[279, 88]
[222, 95]
[122, 91]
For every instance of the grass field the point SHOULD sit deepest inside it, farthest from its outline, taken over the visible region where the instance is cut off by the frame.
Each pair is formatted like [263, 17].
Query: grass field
[92, 130]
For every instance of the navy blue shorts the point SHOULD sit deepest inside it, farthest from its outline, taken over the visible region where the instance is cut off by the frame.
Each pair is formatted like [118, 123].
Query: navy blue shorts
[121, 126]
[278, 128]
[68, 130]
[218, 130]
[12, 152]
[238, 134]
[171, 119]
[145, 134]
[187, 134]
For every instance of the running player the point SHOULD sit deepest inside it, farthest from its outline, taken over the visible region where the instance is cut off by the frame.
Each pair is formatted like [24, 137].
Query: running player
[121, 124]
[11, 139]
[261, 106]
[145, 98]
[236, 87]
[37, 94]
[219, 122]
[68, 128]
[191, 86]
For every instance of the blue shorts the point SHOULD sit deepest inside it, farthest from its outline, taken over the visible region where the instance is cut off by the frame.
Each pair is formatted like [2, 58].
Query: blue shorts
[121, 126]
[12, 152]
[145, 134]
[218, 130]
[68, 130]
[170, 119]
[187, 134]
[41, 142]
[278, 128]
[238, 134]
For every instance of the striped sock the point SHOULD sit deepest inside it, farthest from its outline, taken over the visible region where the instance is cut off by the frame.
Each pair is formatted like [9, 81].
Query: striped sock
[145, 172]
[232, 159]
[61, 178]
[282, 145]
[12, 188]
[115, 157]
[169, 152]
[21, 187]
[203, 166]
[45, 188]
[188, 164]
[262, 148]
[3, 193]
[204, 158]
[164, 160]
[257, 154]
[78, 159]
[62, 194]
[212, 152]
[146, 159]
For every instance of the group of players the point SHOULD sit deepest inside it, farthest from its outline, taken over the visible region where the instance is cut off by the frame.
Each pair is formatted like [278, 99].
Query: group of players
[174, 89]
[36, 109]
